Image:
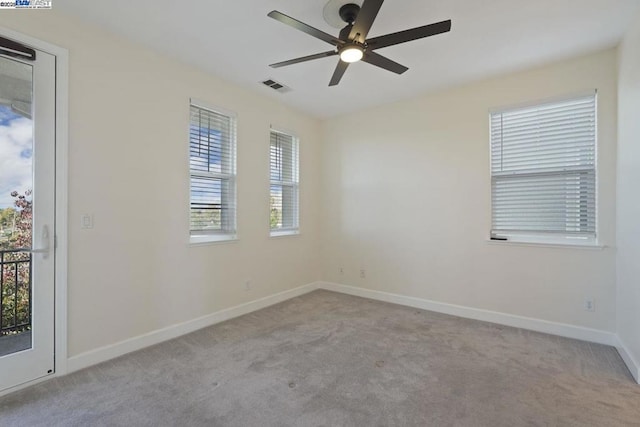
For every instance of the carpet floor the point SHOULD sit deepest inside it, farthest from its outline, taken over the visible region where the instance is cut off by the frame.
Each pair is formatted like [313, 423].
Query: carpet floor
[327, 359]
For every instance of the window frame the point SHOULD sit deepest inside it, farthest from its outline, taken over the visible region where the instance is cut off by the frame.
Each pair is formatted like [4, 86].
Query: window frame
[532, 238]
[216, 236]
[293, 184]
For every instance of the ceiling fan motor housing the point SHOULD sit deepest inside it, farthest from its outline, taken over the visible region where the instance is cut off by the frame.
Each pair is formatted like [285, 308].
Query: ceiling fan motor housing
[344, 33]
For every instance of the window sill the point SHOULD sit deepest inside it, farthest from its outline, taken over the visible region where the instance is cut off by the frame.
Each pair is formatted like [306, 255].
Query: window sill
[212, 240]
[558, 245]
[284, 233]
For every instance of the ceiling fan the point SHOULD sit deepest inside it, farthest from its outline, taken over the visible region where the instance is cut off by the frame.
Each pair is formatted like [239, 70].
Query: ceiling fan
[352, 44]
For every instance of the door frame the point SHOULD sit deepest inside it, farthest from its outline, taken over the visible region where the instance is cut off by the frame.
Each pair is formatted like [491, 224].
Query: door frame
[61, 199]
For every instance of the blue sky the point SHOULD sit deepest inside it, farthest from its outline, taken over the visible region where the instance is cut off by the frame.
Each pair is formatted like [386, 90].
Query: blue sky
[16, 151]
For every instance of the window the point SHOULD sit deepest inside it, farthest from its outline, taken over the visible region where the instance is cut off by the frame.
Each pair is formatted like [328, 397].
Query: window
[543, 172]
[212, 147]
[284, 184]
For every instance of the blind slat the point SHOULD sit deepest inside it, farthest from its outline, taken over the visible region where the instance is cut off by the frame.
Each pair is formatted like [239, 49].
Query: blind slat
[212, 139]
[543, 168]
[283, 159]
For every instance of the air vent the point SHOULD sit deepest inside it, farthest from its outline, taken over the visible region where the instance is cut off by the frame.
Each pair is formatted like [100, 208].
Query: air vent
[278, 87]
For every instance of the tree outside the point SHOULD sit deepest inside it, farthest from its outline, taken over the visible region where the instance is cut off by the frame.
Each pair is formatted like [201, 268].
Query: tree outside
[15, 233]
[276, 213]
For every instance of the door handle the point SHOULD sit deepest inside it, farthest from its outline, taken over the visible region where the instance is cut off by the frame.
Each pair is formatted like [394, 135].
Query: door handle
[45, 241]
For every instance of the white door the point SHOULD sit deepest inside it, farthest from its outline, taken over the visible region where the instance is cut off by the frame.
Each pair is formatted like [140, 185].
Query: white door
[27, 202]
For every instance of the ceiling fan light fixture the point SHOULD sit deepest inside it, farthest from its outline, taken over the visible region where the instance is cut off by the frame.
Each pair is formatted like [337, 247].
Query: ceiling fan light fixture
[351, 53]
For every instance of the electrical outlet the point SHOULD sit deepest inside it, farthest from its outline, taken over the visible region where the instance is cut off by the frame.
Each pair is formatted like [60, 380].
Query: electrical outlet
[247, 285]
[589, 304]
[341, 270]
[363, 273]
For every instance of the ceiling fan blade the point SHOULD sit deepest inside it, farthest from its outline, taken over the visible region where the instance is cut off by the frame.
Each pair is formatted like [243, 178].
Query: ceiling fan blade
[382, 62]
[304, 59]
[338, 73]
[364, 20]
[408, 35]
[304, 27]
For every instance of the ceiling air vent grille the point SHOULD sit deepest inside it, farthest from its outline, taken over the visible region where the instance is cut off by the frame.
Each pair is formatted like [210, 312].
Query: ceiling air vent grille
[278, 87]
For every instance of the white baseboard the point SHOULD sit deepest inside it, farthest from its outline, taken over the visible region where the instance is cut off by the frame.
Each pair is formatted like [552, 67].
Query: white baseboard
[121, 348]
[112, 351]
[629, 360]
[538, 325]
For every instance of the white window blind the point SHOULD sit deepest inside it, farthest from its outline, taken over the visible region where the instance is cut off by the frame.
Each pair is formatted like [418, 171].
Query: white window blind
[212, 141]
[543, 169]
[284, 211]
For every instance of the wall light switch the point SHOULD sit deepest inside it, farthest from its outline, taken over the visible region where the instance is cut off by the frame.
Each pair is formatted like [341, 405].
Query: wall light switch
[86, 221]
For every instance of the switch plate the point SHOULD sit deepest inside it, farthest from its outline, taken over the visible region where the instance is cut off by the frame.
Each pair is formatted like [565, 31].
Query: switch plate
[86, 221]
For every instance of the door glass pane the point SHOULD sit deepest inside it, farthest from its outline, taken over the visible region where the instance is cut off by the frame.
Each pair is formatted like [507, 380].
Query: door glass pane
[16, 198]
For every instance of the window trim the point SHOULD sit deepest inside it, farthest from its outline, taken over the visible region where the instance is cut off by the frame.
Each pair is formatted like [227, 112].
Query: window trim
[221, 236]
[285, 231]
[561, 245]
[542, 239]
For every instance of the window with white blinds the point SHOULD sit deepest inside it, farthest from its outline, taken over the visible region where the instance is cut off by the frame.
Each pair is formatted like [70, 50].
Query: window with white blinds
[284, 211]
[543, 171]
[212, 148]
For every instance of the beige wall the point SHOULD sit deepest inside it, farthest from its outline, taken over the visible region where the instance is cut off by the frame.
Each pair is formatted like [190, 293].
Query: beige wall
[135, 272]
[407, 198]
[628, 208]
[401, 191]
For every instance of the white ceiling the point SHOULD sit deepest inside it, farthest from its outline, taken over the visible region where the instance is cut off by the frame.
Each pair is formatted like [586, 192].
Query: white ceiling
[236, 41]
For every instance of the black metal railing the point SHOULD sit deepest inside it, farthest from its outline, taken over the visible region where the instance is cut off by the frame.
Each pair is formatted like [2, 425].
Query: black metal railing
[15, 291]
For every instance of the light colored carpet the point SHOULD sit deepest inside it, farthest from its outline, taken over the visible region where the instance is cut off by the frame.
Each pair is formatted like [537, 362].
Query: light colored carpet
[326, 359]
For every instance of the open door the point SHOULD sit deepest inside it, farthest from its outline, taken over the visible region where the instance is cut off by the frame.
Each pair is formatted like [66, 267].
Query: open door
[27, 219]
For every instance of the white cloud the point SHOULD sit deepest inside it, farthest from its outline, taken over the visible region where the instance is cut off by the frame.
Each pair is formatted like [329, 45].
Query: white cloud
[16, 144]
